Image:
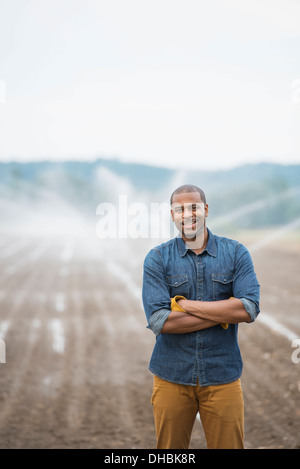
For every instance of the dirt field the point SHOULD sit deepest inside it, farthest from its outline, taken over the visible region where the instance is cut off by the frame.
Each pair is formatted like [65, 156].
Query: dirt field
[77, 349]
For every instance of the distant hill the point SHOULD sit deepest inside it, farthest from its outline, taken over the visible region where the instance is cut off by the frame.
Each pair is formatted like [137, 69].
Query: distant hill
[257, 195]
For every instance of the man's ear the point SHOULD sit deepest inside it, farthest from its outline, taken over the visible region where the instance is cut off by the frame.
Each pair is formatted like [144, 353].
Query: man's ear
[172, 214]
[206, 210]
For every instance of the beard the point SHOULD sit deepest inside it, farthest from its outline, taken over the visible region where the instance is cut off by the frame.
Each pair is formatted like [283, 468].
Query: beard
[194, 231]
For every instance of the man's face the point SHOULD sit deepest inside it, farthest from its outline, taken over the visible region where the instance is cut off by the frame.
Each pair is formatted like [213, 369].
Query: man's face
[189, 213]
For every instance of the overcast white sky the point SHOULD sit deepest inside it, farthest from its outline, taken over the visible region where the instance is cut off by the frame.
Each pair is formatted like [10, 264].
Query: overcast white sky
[188, 83]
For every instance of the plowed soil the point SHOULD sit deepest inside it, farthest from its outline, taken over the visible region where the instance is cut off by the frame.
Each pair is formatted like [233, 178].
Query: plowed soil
[77, 348]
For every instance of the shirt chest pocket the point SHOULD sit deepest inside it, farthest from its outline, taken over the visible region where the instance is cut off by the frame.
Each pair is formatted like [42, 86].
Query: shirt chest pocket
[222, 286]
[178, 285]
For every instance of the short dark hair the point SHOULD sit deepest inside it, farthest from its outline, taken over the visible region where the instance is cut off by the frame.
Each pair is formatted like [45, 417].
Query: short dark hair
[188, 188]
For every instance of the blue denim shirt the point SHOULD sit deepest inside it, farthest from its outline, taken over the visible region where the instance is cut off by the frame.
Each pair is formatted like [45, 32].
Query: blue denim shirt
[223, 269]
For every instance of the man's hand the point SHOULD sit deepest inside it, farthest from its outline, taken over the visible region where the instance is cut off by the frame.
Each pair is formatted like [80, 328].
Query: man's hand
[175, 305]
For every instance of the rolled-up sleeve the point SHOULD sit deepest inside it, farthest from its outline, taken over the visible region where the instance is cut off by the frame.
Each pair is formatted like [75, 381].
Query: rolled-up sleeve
[157, 320]
[251, 308]
[155, 293]
[245, 284]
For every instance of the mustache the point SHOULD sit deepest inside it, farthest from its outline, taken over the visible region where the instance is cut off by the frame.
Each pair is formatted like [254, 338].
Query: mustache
[200, 222]
[192, 220]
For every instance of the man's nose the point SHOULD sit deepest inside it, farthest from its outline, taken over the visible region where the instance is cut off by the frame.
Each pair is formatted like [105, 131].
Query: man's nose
[187, 212]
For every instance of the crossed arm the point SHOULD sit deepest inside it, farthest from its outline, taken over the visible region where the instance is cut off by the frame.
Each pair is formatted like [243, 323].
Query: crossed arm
[198, 315]
[204, 314]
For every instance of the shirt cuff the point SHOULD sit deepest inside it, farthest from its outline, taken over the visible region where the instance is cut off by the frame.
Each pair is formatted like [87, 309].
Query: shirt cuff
[157, 320]
[250, 307]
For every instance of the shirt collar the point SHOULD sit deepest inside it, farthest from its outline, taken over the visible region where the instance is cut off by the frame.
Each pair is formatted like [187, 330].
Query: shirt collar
[211, 247]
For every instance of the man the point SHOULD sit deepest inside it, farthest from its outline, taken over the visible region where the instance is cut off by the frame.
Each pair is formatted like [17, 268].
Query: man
[197, 287]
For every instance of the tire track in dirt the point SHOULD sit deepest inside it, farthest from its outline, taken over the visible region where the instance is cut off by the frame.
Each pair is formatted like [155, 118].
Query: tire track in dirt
[65, 380]
[22, 339]
[123, 361]
[271, 386]
[35, 367]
